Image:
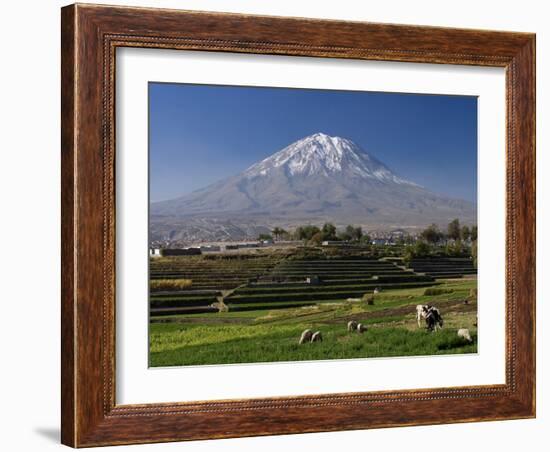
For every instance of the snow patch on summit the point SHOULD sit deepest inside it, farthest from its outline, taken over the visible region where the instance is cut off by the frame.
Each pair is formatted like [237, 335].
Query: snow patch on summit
[321, 154]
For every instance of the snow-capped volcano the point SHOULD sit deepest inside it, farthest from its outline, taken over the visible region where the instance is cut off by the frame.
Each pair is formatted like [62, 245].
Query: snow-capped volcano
[322, 154]
[318, 178]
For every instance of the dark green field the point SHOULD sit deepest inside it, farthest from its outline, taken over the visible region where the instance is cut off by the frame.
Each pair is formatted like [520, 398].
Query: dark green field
[254, 307]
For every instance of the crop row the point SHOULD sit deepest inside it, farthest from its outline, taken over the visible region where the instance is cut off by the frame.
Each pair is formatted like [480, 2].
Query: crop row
[185, 310]
[269, 306]
[300, 283]
[216, 265]
[351, 285]
[314, 295]
[180, 302]
[186, 292]
[207, 277]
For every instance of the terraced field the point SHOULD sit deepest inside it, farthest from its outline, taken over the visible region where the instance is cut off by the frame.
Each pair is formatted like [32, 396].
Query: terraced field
[272, 281]
[252, 307]
[267, 335]
[331, 280]
[212, 277]
[444, 267]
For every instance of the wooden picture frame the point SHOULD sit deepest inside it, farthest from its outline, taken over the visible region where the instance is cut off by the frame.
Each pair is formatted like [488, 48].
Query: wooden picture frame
[90, 36]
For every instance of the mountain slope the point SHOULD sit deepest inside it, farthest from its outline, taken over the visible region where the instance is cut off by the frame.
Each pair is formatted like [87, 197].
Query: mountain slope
[317, 178]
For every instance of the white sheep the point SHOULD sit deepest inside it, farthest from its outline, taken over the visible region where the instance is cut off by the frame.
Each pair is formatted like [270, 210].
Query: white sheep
[352, 325]
[361, 328]
[464, 333]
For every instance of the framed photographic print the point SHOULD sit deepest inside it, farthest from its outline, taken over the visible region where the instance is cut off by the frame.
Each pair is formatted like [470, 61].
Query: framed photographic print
[280, 225]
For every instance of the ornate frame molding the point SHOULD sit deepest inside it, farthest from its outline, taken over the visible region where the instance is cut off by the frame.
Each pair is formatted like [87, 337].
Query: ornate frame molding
[90, 36]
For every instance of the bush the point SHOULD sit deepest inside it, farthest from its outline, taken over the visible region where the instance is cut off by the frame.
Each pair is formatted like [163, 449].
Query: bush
[419, 249]
[169, 284]
[437, 291]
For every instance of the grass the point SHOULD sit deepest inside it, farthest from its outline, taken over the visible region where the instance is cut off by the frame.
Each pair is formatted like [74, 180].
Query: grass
[169, 284]
[196, 345]
[262, 334]
[437, 291]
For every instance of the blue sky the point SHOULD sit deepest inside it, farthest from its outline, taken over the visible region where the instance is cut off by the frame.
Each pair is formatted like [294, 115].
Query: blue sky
[199, 134]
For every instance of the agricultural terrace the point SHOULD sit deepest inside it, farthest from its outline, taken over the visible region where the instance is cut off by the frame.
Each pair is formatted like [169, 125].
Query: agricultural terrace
[253, 307]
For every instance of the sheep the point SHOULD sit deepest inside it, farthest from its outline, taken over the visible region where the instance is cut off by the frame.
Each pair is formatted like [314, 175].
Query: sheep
[353, 300]
[306, 336]
[464, 333]
[352, 325]
[317, 337]
[377, 290]
[361, 328]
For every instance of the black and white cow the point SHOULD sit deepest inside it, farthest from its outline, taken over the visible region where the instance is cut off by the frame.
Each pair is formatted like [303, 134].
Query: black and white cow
[434, 321]
[431, 315]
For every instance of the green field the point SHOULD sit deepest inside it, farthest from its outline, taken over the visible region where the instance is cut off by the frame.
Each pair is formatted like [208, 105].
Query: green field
[266, 304]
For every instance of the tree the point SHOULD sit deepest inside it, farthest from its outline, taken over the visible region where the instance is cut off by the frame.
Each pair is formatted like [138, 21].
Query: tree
[306, 232]
[329, 231]
[357, 233]
[453, 229]
[419, 249]
[263, 237]
[473, 234]
[431, 234]
[455, 248]
[278, 232]
[365, 238]
[474, 253]
[351, 233]
[316, 239]
[346, 234]
[465, 233]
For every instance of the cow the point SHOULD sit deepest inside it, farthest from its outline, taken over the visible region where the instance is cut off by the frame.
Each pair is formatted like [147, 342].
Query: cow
[431, 315]
[352, 326]
[317, 337]
[306, 336]
[421, 312]
[434, 321]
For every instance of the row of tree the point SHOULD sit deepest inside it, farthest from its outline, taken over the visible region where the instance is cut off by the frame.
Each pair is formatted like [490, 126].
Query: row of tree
[457, 241]
[452, 249]
[316, 235]
[432, 234]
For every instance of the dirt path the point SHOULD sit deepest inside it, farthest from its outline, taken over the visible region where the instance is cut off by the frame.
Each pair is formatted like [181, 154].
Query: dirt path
[220, 304]
[446, 307]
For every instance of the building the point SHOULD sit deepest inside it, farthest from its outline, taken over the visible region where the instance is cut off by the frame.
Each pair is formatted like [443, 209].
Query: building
[379, 242]
[331, 242]
[158, 252]
[210, 248]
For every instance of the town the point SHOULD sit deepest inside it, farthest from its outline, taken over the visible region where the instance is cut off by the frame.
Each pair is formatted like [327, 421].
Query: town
[327, 235]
